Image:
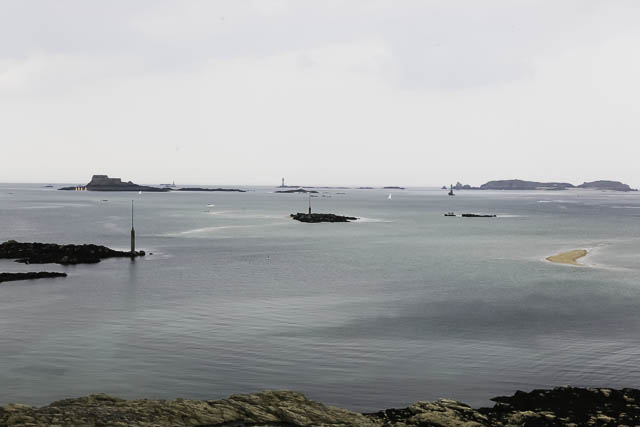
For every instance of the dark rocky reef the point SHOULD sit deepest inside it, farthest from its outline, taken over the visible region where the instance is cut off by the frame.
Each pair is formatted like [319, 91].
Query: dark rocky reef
[558, 407]
[10, 277]
[44, 253]
[321, 217]
[236, 190]
[393, 188]
[607, 185]
[563, 406]
[298, 190]
[518, 184]
[471, 215]
[104, 183]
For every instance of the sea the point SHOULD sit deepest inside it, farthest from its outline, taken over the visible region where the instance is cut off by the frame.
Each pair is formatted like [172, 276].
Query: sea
[402, 305]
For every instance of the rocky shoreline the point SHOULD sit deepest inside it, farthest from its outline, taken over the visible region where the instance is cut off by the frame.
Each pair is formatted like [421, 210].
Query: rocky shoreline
[45, 253]
[562, 406]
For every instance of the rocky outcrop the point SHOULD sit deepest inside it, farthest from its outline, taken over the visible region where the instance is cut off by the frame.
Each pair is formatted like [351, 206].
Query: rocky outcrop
[563, 406]
[236, 190]
[321, 217]
[10, 277]
[606, 185]
[44, 253]
[104, 183]
[461, 186]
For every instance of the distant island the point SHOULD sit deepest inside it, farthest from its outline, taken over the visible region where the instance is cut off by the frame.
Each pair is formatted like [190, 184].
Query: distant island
[298, 190]
[104, 183]
[518, 184]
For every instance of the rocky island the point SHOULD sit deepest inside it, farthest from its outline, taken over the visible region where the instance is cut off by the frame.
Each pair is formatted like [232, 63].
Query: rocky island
[560, 406]
[10, 277]
[104, 183]
[45, 253]
[321, 217]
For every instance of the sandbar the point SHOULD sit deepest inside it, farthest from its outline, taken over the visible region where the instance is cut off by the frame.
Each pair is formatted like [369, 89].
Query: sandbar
[569, 257]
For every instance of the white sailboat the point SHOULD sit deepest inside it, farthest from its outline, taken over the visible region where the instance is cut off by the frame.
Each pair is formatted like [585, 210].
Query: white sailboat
[389, 198]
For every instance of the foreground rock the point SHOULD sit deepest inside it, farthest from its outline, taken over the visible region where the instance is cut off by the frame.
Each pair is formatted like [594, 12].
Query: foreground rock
[269, 408]
[321, 217]
[44, 253]
[558, 407]
[104, 183]
[10, 277]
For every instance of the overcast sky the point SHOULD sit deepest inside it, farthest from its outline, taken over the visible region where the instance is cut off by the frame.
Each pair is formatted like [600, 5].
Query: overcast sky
[321, 92]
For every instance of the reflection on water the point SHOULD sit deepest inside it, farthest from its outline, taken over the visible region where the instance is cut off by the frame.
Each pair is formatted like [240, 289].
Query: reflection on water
[404, 305]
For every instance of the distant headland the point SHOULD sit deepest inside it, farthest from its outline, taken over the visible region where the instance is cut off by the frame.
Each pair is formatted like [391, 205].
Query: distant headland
[518, 184]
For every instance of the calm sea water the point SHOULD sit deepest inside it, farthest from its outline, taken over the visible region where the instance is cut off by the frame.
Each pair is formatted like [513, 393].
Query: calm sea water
[400, 306]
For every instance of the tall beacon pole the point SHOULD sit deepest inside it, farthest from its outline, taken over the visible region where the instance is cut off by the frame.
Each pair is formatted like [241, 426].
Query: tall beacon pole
[133, 234]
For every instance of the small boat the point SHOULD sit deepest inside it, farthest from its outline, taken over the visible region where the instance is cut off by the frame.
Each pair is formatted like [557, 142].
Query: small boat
[451, 191]
[389, 198]
[449, 214]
